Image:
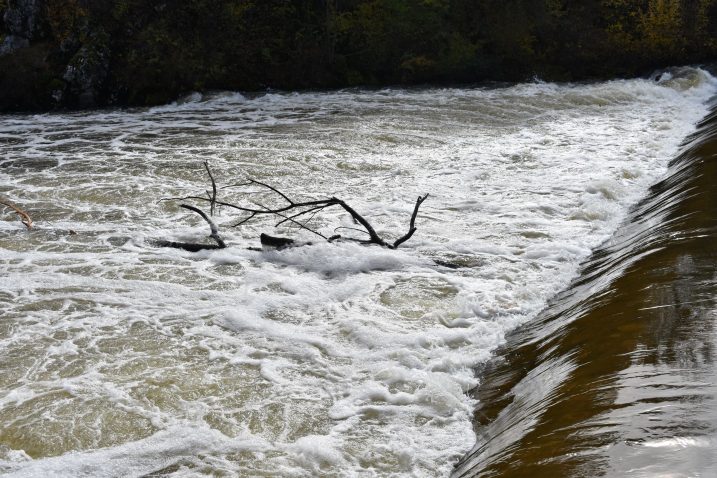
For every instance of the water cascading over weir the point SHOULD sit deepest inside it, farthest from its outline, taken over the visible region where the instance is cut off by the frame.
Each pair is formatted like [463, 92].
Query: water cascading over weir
[617, 377]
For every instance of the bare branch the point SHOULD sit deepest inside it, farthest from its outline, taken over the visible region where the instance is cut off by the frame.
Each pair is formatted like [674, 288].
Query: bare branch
[301, 226]
[213, 196]
[289, 218]
[311, 218]
[247, 219]
[212, 227]
[328, 202]
[273, 189]
[375, 238]
[412, 226]
[24, 217]
[351, 229]
[288, 213]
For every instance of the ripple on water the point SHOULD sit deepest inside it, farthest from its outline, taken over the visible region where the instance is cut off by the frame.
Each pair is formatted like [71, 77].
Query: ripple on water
[321, 360]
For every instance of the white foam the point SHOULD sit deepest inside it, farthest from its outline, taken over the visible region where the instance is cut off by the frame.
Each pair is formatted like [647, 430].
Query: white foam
[177, 444]
[679, 442]
[324, 359]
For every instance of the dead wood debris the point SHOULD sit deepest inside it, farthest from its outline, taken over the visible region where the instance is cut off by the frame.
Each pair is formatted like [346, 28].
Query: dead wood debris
[24, 217]
[298, 213]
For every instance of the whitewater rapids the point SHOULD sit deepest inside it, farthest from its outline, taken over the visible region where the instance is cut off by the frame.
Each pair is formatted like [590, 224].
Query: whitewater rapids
[118, 358]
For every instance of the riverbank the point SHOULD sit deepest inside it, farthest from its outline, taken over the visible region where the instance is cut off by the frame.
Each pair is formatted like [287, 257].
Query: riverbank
[617, 376]
[82, 55]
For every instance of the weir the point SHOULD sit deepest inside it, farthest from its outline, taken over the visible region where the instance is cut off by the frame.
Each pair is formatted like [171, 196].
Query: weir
[616, 377]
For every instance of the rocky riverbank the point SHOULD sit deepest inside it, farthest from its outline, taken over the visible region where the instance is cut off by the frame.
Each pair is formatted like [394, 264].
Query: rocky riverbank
[84, 54]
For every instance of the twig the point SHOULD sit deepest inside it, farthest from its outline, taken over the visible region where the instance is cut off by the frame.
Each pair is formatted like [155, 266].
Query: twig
[247, 219]
[311, 218]
[301, 226]
[213, 197]
[328, 202]
[289, 218]
[253, 181]
[24, 217]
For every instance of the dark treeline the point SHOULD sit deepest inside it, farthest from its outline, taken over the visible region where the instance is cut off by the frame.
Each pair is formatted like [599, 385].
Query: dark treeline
[82, 53]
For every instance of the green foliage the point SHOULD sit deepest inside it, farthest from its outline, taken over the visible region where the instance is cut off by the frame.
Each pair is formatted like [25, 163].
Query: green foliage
[65, 18]
[661, 28]
[158, 50]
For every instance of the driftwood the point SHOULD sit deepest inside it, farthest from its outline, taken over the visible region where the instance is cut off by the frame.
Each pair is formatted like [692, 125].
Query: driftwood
[276, 242]
[299, 213]
[24, 217]
[194, 247]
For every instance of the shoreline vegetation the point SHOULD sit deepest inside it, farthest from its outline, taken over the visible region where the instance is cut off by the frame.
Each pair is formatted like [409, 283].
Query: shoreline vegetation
[67, 54]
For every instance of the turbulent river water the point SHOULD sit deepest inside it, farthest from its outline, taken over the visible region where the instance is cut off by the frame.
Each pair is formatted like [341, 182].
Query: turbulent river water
[120, 358]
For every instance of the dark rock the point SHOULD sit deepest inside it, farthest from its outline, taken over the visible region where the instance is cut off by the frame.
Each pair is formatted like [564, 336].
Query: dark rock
[26, 79]
[85, 76]
[23, 18]
[187, 246]
[24, 22]
[275, 242]
[12, 43]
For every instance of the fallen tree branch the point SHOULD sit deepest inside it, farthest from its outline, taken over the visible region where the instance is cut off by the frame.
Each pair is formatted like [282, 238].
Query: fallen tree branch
[24, 217]
[194, 247]
[291, 212]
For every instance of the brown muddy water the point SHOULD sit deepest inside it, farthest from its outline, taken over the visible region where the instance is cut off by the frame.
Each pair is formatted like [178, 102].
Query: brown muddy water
[122, 359]
[617, 376]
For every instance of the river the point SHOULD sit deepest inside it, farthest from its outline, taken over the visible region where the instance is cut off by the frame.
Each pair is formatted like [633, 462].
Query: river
[120, 358]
